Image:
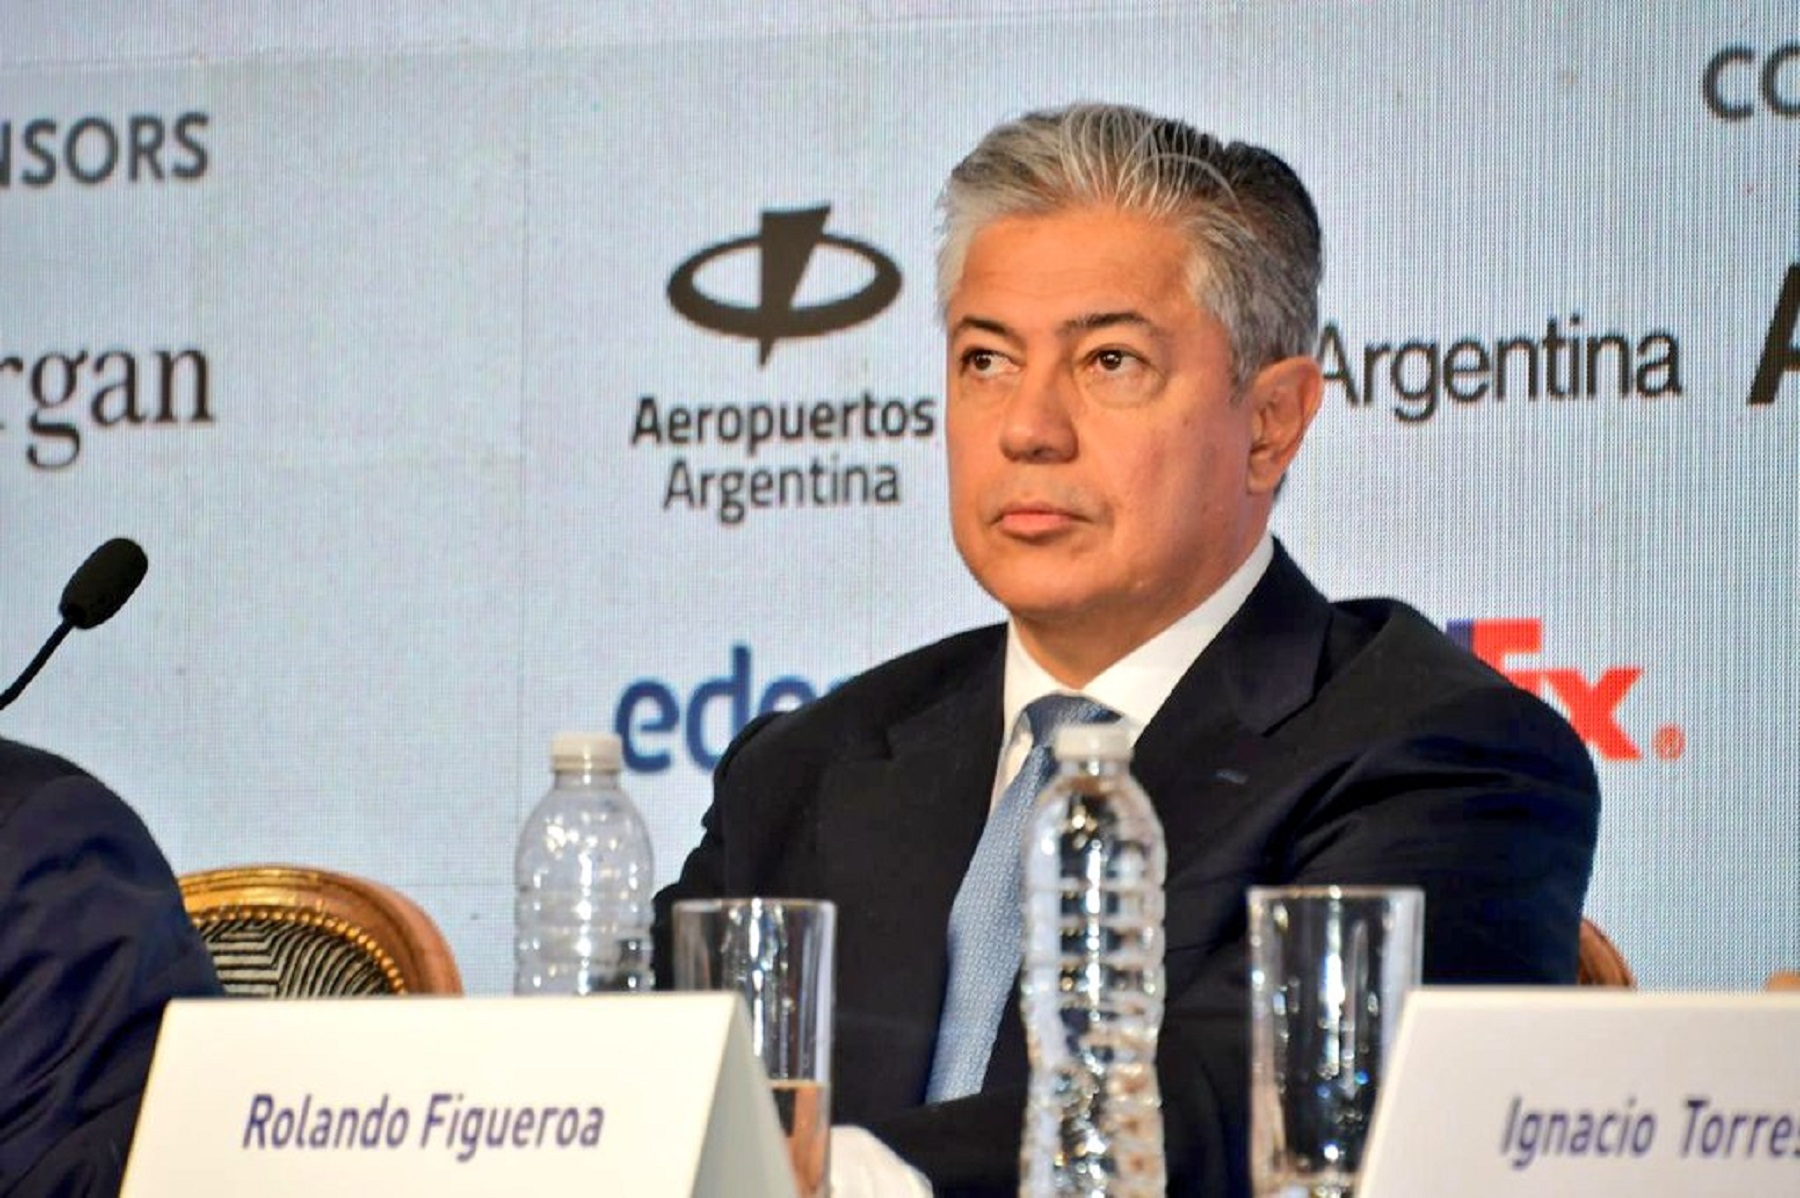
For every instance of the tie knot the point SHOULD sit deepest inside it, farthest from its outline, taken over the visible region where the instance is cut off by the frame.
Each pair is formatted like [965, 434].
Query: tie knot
[1045, 715]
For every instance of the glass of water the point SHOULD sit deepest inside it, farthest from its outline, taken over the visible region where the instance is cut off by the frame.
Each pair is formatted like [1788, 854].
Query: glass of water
[1329, 969]
[777, 954]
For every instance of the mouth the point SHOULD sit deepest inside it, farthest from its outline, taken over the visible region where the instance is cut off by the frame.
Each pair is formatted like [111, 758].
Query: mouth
[1029, 520]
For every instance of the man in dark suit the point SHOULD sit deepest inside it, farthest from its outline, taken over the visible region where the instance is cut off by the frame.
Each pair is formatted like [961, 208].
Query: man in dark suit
[93, 942]
[1130, 308]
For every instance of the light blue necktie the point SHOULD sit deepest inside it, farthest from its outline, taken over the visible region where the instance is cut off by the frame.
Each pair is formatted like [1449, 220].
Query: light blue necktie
[986, 921]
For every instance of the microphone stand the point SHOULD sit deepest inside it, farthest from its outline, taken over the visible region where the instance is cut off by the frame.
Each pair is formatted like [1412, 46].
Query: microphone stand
[37, 663]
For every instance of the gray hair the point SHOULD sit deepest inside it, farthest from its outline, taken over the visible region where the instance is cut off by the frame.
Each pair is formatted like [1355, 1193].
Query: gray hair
[1256, 246]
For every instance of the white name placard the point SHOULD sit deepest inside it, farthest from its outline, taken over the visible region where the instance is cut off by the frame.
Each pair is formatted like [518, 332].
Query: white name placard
[654, 1096]
[1503, 1093]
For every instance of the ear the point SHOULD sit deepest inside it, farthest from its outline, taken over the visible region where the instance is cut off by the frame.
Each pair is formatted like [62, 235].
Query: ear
[1283, 398]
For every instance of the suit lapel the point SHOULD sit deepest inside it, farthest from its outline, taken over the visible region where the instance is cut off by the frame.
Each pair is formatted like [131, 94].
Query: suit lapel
[896, 835]
[1202, 758]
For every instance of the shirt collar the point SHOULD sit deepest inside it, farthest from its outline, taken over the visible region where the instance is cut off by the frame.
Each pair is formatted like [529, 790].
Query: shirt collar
[1137, 685]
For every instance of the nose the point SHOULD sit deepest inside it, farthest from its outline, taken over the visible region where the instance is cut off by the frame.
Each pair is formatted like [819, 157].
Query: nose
[1038, 424]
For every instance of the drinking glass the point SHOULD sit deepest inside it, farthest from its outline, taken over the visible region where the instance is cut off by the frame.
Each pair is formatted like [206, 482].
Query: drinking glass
[777, 954]
[1329, 969]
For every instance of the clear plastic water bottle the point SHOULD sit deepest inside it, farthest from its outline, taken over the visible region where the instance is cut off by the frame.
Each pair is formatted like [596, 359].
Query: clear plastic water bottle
[1093, 987]
[584, 872]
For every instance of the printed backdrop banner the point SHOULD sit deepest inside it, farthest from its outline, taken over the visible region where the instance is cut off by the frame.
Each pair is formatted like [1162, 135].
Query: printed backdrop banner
[473, 375]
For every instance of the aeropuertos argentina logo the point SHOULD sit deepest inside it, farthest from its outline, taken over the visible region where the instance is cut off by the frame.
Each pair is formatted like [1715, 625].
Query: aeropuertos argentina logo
[785, 245]
[826, 447]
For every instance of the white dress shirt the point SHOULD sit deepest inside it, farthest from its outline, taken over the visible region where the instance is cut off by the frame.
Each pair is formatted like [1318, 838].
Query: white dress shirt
[1135, 686]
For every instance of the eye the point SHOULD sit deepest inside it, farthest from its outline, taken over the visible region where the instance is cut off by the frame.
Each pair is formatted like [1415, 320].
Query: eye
[1119, 374]
[982, 362]
[1113, 360]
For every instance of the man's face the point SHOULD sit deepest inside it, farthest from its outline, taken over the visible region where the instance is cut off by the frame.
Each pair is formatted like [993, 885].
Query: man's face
[1102, 480]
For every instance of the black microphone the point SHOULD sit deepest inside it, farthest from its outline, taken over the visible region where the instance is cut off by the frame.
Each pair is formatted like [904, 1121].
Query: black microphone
[96, 591]
[101, 585]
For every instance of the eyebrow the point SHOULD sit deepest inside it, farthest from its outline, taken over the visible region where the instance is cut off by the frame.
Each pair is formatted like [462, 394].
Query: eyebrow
[1077, 324]
[983, 324]
[1105, 320]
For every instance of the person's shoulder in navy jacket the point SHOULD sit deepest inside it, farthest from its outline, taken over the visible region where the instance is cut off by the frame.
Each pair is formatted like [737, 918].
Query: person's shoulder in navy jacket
[93, 942]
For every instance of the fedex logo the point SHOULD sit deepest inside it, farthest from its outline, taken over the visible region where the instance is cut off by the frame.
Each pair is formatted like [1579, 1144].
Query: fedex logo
[1592, 704]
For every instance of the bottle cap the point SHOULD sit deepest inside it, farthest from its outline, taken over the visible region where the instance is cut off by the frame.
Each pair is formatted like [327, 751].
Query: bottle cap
[586, 750]
[1108, 742]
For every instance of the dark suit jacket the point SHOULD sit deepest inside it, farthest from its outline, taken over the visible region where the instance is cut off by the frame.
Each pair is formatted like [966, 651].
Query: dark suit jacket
[93, 941]
[1311, 742]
